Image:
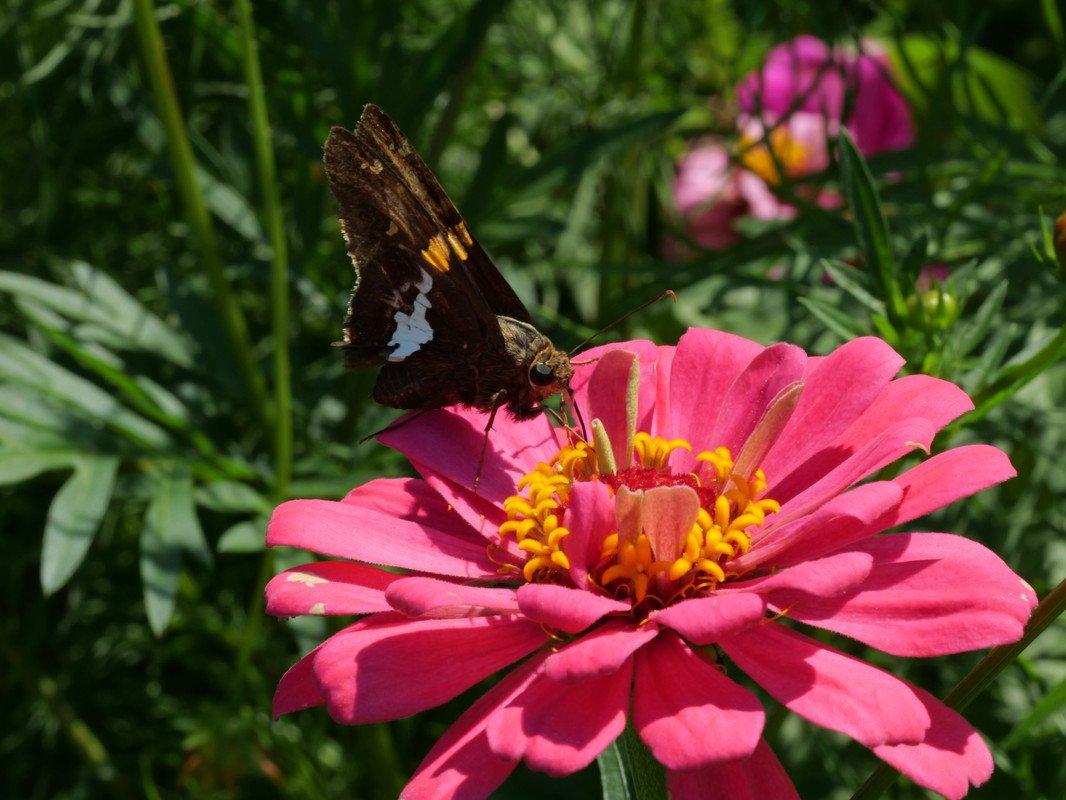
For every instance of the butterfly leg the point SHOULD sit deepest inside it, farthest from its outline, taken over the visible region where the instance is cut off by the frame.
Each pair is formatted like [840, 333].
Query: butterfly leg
[497, 402]
[396, 424]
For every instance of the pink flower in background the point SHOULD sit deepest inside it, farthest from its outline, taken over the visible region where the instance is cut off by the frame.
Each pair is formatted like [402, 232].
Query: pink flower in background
[707, 193]
[793, 105]
[808, 75]
[743, 503]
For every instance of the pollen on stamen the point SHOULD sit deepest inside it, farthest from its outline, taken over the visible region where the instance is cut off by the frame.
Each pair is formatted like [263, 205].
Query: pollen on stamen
[730, 511]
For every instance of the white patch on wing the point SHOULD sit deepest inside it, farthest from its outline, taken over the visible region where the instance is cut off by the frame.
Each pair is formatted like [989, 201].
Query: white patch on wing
[412, 330]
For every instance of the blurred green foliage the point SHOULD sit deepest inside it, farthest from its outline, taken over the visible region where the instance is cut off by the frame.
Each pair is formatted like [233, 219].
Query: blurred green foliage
[147, 308]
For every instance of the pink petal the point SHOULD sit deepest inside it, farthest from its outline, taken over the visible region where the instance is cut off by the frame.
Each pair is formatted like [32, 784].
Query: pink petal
[751, 393]
[347, 531]
[298, 688]
[566, 609]
[439, 599]
[950, 758]
[448, 443]
[559, 728]
[608, 404]
[828, 687]
[667, 515]
[705, 365]
[842, 520]
[589, 518]
[371, 672]
[461, 766]
[829, 576]
[893, 443]
[409, 499]
[328, 588]
[928, 594]
[599, 653]
[759, 777]
[687, 712]
[910, 396]
[588, 386]
[705, 620]
[949, 476]
[837, 391]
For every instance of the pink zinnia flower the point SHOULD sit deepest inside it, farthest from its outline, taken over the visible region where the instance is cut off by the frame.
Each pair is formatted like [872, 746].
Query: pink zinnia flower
[807, 75]
[725, 499]
[793, 105]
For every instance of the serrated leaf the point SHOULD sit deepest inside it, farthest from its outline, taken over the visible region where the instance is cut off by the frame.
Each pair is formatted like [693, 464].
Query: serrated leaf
[74, 518]
[231, 497]
[248, 536]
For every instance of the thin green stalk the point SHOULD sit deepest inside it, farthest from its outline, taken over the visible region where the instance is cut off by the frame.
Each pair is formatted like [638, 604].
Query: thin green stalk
[184, 165]
[979, 679]
[279, 259]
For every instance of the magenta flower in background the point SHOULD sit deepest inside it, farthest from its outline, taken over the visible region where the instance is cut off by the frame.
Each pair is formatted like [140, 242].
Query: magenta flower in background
[807, 75]
[794, 104]
[728, 498]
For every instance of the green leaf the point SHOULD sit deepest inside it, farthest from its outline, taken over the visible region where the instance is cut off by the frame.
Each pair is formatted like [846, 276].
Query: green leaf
[170, 527]
[578, 153]
[22, 365]
[614, 783]
[111, 314]
[844, 325]
[231, 497]
[1051, 703]
[981, 322]
[74, 518]
[974, 80]
[248, 536]
[160, 565]
[870, 224]
[230, 206]
[18, 465]
[854, 283]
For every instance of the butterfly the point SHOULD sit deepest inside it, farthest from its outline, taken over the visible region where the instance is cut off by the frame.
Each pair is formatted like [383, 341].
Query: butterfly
[429, 306]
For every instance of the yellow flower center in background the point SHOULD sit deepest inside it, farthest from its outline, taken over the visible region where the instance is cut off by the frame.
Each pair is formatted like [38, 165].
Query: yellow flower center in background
[729, 512]
[792, 156]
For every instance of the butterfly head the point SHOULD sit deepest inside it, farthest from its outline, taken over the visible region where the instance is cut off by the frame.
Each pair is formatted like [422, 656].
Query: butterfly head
[549, 374]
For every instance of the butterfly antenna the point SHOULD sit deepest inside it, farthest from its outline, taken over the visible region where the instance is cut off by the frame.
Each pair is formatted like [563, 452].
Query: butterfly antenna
[576, 411]
[668, 293]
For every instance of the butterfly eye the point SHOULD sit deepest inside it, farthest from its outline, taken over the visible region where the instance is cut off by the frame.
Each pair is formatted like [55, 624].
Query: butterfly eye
[541, 375]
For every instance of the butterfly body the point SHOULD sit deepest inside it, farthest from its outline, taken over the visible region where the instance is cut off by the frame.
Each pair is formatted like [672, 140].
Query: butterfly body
[429, 306]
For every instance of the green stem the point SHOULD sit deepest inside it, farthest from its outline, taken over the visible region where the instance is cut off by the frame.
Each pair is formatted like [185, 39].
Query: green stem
[279, 259]
[979, 679]
[253, 622]
[184, 165]
[649, 776]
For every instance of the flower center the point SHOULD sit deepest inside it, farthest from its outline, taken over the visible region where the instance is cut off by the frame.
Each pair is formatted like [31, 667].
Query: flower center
[792, 155]
[675, 534]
